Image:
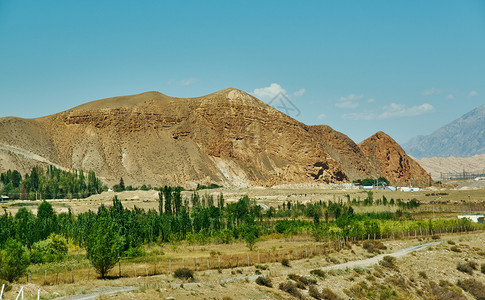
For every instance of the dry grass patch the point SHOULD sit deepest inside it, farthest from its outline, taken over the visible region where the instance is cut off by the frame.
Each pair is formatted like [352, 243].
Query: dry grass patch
[474, 287]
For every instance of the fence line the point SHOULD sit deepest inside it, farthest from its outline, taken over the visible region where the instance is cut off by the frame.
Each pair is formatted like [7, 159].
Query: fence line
[231, 261]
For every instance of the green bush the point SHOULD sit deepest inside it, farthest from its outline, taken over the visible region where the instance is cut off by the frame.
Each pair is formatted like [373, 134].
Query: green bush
[318, 272]
[13, 261]
[483, 268]
[53, 249]
[134, 252]
[265, 281]
[184, 273]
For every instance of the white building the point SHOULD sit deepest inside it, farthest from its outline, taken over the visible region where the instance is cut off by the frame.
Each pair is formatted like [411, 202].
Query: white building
[473, 218]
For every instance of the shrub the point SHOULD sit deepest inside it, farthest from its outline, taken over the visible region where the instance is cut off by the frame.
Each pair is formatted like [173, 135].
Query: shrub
[313, 292]
[318, 272]
[265, 281]
[451, 242]
[388, 262]
[300, 285]
[455, 249]
[133, 252]
[261, 267]
[445, 290]
[302, 279]
[373, 246]
[52, 249]
[328, 294]
[483, 268]
[474, 287]
[8, 286]
[285, 262]
[184, 273]
[435, 237]
[465, 268]
[290, 288]
[473, 265]
[423, 275]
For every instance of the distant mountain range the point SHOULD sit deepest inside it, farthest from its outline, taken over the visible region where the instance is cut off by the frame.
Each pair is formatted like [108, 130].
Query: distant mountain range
[228, 137]
[463, 137]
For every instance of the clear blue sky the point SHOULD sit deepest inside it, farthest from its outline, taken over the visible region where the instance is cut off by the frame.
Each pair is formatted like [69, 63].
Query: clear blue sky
[403, 67]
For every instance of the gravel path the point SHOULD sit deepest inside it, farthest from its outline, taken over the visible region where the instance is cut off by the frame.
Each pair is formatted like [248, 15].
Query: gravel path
[375, 260]
[104, 291]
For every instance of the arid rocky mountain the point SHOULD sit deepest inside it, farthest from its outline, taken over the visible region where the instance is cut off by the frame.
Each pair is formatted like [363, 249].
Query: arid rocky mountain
[392, 162]
[463, 137]
[228, 137]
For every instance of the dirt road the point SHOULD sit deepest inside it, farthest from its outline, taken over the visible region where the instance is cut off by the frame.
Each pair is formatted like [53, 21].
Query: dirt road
[375, 260]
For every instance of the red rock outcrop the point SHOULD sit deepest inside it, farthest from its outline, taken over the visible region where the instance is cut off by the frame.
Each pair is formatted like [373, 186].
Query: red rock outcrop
[392, 162]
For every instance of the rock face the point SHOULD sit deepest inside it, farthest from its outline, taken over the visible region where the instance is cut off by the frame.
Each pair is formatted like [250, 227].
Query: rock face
[392, 162]
[228, 137]
[461, 138]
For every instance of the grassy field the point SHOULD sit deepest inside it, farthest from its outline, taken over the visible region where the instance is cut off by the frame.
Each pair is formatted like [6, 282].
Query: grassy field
[411, 278]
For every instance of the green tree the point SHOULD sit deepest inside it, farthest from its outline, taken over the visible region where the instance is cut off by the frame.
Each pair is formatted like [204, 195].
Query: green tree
[13, 261]
[368, 182]
[167, 193]
[250, 234]
[104, 245]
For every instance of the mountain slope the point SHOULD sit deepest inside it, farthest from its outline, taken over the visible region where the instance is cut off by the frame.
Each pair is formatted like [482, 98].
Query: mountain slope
[461, 138]
[437, 165]
[392, 162]
[228, 137]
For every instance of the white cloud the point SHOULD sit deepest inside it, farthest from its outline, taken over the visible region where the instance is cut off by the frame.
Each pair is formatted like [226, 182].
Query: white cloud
[300, 92]
[395, 110]
[371, 100]
[184, 82]
[188, 81]
[351, 101]
[269, 92]
[473, 94]
[321, 116]
[359, 116]
[431, 91]
[450, 97]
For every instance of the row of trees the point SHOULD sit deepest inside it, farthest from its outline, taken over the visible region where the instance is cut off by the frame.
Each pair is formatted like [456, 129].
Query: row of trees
[114, 231]
[51, 183]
